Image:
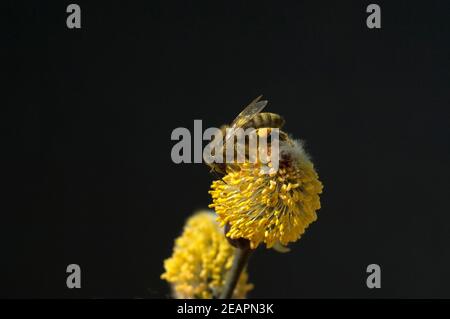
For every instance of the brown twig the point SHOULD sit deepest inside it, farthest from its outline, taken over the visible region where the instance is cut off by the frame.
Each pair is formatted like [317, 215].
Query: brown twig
[241, 256]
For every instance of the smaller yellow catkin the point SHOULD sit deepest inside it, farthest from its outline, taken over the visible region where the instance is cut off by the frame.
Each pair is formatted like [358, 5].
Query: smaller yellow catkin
[201, 260]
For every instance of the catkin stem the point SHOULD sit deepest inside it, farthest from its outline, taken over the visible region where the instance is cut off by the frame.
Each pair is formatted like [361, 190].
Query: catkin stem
[239, 262]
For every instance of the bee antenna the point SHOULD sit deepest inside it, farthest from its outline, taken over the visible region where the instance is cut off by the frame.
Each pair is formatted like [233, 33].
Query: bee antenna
[213, 171]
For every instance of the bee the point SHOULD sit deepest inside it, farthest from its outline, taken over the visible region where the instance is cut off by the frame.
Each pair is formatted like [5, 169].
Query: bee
[263, 120]
[250, 117]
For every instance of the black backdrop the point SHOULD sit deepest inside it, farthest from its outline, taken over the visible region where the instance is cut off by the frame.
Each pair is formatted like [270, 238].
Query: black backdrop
[87, 139]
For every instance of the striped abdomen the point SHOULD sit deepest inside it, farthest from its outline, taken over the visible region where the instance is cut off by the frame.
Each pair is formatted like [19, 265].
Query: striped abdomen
[265, 120]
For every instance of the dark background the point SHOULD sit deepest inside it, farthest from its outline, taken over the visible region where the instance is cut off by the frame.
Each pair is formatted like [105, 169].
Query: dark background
[90, 112]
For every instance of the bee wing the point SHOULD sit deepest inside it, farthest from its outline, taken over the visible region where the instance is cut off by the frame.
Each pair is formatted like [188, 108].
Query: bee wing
[249, 112]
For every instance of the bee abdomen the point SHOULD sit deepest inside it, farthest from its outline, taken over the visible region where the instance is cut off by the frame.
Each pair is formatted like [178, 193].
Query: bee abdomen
[265, 120]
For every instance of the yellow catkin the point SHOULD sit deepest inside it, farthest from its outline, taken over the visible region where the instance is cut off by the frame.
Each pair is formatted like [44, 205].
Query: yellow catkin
[201, 259]
[278, 206]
